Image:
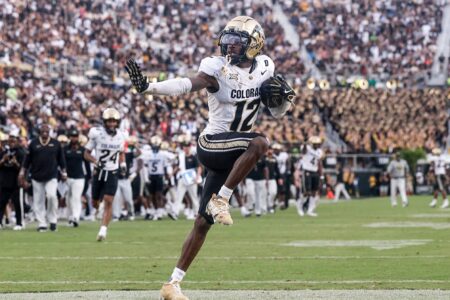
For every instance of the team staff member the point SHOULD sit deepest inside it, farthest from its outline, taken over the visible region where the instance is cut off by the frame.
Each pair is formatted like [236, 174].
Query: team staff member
[108, 143]
[398, 169]
[11, 159]
[45, 155]
[77, 170]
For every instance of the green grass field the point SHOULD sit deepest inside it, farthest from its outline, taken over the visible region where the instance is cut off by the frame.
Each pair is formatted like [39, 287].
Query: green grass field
[393, 248]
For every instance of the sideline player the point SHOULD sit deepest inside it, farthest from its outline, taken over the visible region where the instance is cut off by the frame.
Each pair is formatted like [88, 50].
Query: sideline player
[312, 176]
[440, 180]
[226, 147]
[108, 143]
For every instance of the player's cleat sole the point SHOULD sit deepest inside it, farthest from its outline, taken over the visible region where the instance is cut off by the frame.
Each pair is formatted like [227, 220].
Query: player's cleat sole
[172, 291]
[219, 209]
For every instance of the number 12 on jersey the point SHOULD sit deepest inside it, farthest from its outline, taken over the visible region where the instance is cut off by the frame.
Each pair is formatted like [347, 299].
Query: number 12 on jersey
[245, 110]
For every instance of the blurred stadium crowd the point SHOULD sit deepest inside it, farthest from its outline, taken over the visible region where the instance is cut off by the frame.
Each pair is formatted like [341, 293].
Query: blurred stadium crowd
[61, 63]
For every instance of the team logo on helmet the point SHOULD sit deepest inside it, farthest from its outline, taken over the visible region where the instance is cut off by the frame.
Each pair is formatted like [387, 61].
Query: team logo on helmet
[245, 31]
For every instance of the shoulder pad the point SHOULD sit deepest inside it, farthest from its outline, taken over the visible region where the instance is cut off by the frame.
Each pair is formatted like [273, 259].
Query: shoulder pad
[212, 65]
[266, 62]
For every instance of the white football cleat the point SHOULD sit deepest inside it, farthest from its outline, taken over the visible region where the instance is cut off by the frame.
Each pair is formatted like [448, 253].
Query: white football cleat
[445, 204]
[18, 227]
[219, 209]
[172, 291]
[101, 236]
[433, 203]
[311, 214]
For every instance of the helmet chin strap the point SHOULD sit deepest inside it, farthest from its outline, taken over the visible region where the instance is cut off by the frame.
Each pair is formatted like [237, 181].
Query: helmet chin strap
[235, 59]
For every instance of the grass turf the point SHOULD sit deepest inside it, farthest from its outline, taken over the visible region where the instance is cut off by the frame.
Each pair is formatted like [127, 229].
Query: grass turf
[249, 255]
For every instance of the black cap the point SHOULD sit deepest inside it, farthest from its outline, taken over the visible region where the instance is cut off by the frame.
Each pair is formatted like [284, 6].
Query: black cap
[73, 132]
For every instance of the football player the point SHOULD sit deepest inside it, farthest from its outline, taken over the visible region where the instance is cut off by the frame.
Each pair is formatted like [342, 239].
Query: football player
[108, 143]
[440, 180]
[311, 165]
[156, 163]
[227, 147]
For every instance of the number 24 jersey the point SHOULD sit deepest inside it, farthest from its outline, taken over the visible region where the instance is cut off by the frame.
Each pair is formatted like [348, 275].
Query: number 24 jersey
[107, 147]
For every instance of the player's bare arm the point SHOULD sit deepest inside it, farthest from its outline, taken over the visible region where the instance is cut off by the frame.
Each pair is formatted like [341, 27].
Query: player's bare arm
[89, 157]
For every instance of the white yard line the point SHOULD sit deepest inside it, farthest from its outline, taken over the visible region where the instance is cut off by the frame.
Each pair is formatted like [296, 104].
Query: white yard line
[325, 257]
[229, 282]
[242, 294]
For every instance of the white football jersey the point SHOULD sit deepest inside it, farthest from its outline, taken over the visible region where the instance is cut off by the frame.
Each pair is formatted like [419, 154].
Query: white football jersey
[282, 159]
[107, 147]
[155, 162]
[439, 165]
[234, 107]
[311, 159]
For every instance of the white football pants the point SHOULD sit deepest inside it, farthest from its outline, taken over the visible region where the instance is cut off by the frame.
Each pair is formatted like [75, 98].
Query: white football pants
[257, 195]
[123, 195]
[338, 189]
[400, 185]
[192, 191]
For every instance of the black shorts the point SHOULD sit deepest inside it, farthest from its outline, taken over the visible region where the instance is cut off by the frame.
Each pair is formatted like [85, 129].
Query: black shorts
[218, 153]
[440, 183]
[155, 185]
[104, 183]
[310, 181]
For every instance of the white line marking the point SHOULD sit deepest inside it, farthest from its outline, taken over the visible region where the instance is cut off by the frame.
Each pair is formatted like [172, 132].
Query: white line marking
[408, 225]
[374, 244]
[231, 282]
[426, 216]
[325, 257]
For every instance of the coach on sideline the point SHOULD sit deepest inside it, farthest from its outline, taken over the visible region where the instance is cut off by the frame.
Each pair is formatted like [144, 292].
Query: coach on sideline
[44, 156]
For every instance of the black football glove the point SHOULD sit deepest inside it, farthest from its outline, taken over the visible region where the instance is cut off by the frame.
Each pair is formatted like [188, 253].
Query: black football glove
[280, 86]
[137, 78]
[275, 91]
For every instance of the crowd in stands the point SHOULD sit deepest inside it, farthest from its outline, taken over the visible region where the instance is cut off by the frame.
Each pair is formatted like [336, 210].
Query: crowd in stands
[169, 36]
[382, 120]
[172, 39]
[382, 38]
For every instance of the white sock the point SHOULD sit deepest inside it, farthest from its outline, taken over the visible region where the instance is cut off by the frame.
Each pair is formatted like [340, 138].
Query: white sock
[177, 275]
[225, 192]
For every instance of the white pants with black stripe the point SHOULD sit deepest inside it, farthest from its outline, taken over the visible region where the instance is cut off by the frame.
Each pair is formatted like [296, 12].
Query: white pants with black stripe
[74, 192]
[41, 191]
[124, 194]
